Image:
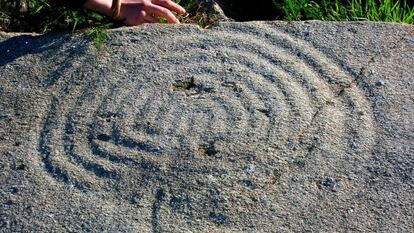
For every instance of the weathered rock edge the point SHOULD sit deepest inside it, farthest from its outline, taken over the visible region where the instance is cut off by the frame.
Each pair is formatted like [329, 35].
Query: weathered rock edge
[248, 127]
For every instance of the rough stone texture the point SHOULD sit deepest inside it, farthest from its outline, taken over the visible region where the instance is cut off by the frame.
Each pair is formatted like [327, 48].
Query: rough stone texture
[246, 127]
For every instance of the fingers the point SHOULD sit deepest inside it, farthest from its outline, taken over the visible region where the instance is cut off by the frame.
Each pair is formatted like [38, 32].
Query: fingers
[136, 12]
[172, 6]
[150, 19]
[133, 18]
[160, 11]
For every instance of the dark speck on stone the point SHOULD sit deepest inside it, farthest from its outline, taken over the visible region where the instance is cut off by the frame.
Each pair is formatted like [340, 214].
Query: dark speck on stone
[14, 190]
[218, 218]
[9, 202]
[380, 83]
[328, 183]
[248, 183]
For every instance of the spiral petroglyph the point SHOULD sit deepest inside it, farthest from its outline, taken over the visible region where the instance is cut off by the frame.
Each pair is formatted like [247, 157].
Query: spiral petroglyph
[258, 93]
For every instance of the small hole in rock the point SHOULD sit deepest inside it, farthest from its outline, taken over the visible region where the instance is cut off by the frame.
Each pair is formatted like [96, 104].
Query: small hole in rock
[19, 167]
[248, 184]
[14, 190]
[182, 85]
[103, 137]
[208, 150]
[218, 218]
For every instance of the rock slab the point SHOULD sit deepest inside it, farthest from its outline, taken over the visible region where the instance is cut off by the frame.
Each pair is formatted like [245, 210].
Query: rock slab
[245, 127]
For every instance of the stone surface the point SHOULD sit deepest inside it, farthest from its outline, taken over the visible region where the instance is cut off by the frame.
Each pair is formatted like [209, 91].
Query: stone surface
[246, 127]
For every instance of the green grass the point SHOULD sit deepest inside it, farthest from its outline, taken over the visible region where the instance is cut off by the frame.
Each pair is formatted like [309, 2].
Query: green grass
[98, 34]
[43, 17]
[353, 10]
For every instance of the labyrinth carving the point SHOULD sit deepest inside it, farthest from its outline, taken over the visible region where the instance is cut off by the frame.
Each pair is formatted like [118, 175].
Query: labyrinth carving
[238, 103]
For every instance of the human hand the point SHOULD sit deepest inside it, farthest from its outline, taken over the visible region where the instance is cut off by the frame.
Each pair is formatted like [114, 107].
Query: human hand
[136, 12]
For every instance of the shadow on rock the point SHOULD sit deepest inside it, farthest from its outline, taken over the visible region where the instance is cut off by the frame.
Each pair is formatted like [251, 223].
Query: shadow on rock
[51, 46]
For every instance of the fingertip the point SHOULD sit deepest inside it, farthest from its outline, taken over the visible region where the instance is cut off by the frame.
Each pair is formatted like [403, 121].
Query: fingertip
[163, 12]
[174, 21]
[182, 11]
